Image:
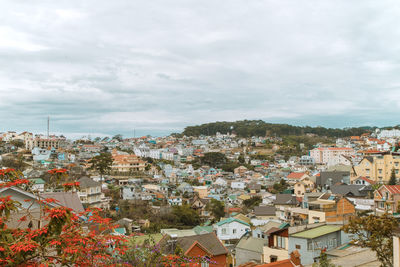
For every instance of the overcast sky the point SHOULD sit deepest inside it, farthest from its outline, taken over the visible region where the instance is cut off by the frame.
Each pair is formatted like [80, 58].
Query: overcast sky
[107, 67]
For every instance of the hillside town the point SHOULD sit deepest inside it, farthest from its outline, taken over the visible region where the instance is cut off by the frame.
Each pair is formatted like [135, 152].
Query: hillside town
[240, 201]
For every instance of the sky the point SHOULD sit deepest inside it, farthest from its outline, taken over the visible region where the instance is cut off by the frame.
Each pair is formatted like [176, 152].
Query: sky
[104, 67]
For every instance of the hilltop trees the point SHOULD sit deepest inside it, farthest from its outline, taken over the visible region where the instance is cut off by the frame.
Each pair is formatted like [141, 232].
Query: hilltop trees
[248, 128]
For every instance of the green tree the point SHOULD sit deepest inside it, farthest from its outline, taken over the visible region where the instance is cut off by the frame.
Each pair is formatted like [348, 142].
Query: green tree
[217, 208]
[185, 215]
[18, 143]
[118, 137]
[376, 233]
[323, 261]
[241, 159]
[213, 159]
[101, 163]
[279, 187]
[252, 202]
[392, 180]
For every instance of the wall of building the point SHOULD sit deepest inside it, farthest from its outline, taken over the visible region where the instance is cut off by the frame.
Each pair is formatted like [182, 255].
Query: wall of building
[244, 255]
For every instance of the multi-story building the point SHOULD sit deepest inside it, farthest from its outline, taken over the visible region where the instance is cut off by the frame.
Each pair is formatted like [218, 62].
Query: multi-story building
[126, 163]
[331, 155]
[89, 192]
[378, 168]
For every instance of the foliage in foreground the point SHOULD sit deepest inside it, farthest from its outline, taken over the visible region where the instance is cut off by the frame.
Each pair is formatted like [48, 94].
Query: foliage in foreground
[376, 233]
[61, 236]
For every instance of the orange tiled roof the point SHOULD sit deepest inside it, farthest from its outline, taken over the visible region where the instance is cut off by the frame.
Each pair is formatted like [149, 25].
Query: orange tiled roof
[295, 175]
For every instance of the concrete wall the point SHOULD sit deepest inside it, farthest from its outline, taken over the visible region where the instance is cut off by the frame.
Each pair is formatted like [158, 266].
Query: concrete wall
[244, 255]
[281, 253]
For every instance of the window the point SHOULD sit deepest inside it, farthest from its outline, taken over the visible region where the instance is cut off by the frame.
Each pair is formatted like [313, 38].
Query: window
[298, 247]
[234, 231]
[380, 171]
[273, 258]
[223, 231]
[381, 205]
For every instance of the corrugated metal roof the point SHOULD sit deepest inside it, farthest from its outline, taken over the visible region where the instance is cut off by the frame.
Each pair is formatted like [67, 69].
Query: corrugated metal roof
[316, 232]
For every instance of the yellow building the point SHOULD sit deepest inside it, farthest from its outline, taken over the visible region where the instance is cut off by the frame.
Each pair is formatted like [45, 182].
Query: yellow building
[378, 167]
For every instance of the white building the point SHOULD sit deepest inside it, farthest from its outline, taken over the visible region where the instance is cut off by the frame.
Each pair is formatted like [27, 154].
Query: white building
[231, 228]
[331, 155]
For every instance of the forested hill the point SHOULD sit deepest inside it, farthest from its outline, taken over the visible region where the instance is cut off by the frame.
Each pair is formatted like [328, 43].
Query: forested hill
[249, 128]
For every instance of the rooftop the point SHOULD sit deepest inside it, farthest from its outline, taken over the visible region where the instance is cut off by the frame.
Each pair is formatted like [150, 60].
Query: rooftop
[316, 232]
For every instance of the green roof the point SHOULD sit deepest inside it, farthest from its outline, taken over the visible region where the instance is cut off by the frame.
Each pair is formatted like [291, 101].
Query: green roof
[121, 230]
[317, 231]
[37, 181]
[203, 229]
[229, 220]
[152, 238]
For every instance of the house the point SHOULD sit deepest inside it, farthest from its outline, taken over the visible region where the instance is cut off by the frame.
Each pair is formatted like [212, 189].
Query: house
[175, 201]
[296, 176]
[329, 178]
[202, 191]
[352, 190]
[265, 212]
[89, 192]
[387, 199]
[231, 228]
[200, 205]
[37, 184]
[363, 181]
[293, 261]
[283, 203]
[309, 242]
[240, 171]
[330, 208]
[205, 245]
[302, 187]
[33, 209]
[278, 244]
[185, 188]
[249, 249]
[238, 185]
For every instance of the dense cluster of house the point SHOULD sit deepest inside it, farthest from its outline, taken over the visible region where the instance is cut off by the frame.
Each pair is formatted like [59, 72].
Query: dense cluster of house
[287, 227]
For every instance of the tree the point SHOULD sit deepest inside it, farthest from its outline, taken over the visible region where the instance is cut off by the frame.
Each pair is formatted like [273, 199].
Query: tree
[101, 163]
[279, 187]
[186, 216]
[252, 202]
[376, 233]
[392, 180]
[57, 236]
[118, 137]
[323, 260]
[213, 159]
[217, 208]
[18, 143]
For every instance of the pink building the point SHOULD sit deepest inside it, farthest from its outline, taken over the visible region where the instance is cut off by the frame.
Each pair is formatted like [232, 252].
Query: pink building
[331, 155]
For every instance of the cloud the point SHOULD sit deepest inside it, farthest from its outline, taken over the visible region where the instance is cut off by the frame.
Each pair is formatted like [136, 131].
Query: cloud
[108, 67]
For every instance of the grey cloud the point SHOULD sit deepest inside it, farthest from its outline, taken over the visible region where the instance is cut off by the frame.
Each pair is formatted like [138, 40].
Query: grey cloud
[108, 66]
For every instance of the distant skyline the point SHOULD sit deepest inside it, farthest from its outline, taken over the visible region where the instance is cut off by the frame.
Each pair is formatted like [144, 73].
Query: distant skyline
[105, 67]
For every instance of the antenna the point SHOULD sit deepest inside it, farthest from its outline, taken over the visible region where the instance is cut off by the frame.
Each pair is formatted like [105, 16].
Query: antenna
[48, 126]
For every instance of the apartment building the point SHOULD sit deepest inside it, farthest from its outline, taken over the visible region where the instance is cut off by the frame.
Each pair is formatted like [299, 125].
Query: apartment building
[89, 192]
[378, 168]
[331, 155]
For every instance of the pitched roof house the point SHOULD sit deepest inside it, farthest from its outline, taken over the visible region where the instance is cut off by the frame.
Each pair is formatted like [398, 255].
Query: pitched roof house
[205, 245]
